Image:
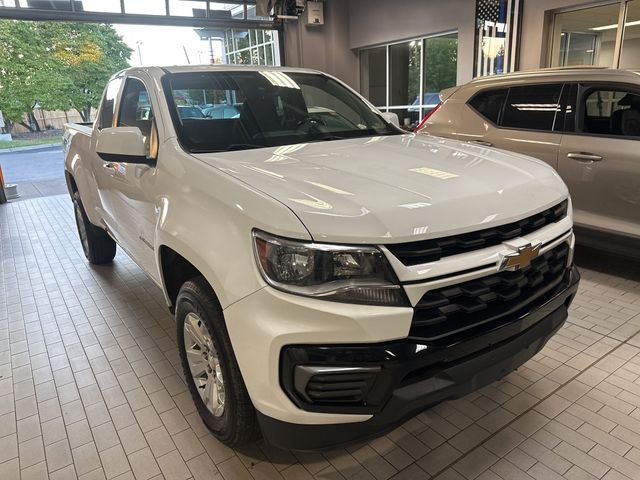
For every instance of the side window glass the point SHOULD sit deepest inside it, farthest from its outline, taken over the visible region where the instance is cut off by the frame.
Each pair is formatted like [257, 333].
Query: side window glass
[135, 108]
[107, 109]
[532, 107]
[489, 104]
[609, 112]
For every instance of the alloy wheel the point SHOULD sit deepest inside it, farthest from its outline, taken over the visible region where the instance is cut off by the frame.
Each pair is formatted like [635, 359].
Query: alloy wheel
[204, 364]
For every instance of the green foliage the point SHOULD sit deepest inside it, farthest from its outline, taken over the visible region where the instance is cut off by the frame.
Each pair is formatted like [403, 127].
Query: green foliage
[56, 65]
[441, 63]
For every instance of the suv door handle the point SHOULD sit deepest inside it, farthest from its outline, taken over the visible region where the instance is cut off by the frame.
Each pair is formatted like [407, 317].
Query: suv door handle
[584, 157]
[109, 166]
[483, 143]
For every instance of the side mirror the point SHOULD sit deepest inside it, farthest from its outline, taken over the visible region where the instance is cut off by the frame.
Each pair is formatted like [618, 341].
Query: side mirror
[391, 118]
[122, 144]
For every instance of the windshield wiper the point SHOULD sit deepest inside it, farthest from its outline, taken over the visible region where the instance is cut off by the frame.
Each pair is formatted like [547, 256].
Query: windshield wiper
[197, 150]
[230, 148]
[242, 146]
[327, 138]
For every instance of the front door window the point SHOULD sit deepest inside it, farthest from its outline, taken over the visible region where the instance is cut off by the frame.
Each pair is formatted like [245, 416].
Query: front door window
[610, 112]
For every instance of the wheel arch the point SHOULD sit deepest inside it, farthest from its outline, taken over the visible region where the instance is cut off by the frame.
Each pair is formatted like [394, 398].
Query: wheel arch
[176, 269]
[72, 186]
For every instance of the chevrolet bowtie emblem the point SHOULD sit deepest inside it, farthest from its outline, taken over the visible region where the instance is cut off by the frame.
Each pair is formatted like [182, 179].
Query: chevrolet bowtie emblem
[520, 258]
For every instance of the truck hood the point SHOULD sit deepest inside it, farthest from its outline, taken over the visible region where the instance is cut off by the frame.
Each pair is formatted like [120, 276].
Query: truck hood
[395, 189]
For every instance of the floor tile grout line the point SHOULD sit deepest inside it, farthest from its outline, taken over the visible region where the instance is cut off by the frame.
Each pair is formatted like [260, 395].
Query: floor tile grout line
[504, 427]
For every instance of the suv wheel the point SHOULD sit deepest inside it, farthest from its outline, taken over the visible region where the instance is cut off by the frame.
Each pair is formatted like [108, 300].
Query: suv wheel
[98, 246]
[210, 367]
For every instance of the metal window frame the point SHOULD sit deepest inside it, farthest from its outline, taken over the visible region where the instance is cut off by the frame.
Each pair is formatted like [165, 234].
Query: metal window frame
[20, 12]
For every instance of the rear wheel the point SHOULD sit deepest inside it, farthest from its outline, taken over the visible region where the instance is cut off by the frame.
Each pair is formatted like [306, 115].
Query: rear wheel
[210, 367]
[98, 246]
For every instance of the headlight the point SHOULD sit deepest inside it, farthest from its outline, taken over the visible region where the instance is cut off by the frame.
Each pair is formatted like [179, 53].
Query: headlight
[340, 273]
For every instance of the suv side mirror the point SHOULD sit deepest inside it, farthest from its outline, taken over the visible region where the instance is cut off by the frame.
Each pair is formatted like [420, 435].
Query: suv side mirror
[122, 144]
[391, 118]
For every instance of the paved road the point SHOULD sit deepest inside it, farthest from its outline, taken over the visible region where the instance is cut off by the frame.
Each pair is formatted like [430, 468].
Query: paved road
[38, 173]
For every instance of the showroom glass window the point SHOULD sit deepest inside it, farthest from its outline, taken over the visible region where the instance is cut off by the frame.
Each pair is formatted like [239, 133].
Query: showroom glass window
[407, 77]
[251, 47]
[591, 36]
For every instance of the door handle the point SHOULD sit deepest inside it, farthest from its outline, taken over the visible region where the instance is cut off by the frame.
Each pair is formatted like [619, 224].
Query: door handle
[109, 166]
[584, 157]
[483, 143]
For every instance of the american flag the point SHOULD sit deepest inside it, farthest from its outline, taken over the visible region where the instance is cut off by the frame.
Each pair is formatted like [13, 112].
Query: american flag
[497, 28]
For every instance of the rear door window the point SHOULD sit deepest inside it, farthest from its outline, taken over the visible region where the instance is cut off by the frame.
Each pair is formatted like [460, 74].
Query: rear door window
[489, 104]
[532, 107]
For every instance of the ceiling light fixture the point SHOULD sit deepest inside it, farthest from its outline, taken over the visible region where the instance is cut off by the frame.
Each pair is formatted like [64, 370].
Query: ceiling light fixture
[615, 25]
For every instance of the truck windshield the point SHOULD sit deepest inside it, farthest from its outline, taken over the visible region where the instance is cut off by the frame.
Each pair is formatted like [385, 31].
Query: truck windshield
[239, 110]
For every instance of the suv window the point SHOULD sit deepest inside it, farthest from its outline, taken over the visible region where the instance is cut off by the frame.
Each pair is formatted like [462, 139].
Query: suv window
[135, 108]
[611, 112]
[107, 110]
[568, 109]
[489, 104]
[532, 107]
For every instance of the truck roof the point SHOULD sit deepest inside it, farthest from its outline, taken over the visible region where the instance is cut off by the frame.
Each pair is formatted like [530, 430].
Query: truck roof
[217, 68]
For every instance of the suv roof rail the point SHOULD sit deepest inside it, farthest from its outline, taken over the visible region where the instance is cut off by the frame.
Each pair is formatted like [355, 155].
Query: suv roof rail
[543, 71]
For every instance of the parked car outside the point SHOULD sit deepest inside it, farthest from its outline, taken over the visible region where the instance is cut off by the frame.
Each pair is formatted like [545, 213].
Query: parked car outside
[584, 122]
[330, 275]
[189, 111]
[430, 101]
[222, 111]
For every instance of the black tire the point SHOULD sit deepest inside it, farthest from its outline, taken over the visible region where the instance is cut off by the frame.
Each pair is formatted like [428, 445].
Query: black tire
[98, 246]
[237, 424]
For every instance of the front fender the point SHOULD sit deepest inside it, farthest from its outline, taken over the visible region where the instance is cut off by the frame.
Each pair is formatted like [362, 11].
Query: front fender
[207, 216]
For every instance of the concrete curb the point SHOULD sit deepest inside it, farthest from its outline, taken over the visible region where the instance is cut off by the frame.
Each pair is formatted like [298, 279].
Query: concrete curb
[30, 147]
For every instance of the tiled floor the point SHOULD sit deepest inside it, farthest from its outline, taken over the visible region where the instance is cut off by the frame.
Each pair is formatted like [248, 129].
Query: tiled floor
[90, 385]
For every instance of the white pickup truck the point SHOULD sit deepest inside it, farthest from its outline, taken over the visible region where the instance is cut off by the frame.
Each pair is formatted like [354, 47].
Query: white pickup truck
[331, 276]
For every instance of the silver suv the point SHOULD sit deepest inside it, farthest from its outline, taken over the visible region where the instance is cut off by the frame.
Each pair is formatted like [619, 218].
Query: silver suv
[585, 122]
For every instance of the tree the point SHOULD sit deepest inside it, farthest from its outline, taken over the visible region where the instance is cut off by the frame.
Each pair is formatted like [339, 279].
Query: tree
[28, 75]
[56, 66]
[441, 63]
[91, 54]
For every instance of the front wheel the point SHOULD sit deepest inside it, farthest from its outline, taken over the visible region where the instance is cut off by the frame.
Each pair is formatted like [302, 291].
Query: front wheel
[210, 367]
[98, 246]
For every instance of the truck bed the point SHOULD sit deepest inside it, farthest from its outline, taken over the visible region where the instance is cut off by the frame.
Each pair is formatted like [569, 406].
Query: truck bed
[85, 127]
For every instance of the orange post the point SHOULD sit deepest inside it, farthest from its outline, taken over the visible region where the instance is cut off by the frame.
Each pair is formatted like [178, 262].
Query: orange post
[3, 196]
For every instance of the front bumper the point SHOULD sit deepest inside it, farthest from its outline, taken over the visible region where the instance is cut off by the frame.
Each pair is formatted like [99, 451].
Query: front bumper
[412, 376]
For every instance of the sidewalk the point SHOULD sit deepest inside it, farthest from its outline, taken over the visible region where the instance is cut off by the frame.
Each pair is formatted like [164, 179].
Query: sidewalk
[31, 147]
